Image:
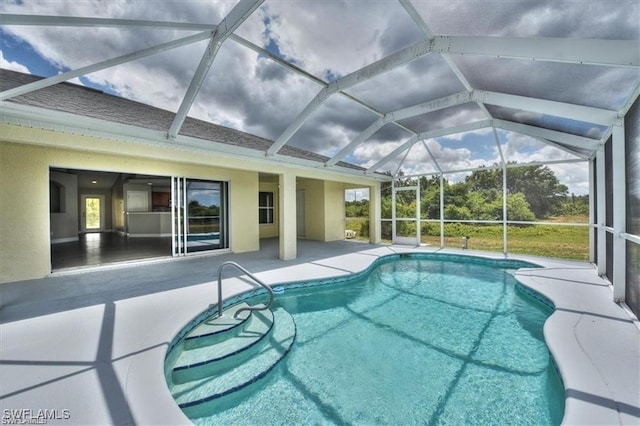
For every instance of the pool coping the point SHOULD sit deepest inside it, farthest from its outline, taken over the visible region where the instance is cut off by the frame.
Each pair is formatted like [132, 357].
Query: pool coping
[589, 398]
[595, 343]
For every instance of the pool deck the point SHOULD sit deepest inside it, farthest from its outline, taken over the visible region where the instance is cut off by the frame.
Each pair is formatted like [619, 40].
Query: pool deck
[88, 346]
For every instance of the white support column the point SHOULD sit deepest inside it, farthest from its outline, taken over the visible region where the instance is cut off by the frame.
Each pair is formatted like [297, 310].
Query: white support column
[504, 193]
[441, 210]
[375, 214]
[288, 218]
[505, 229]
[393, 211]
[619, 212]
[418, 216]
[602, 211]
[592, 211]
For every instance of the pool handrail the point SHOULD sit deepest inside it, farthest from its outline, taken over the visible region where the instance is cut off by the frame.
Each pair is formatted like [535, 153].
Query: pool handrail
[250, 275]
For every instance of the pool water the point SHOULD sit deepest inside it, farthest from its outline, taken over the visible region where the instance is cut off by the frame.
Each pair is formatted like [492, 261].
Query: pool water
[415, 341]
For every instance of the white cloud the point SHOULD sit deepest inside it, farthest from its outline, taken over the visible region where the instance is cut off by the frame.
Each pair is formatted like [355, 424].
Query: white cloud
[12, 65]
[257, 95]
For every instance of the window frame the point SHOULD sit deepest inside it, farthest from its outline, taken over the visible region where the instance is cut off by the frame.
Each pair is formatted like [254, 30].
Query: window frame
[269, 208]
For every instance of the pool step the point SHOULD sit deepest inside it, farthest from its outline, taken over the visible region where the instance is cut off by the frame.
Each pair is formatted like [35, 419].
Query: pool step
[215, 380]
[216, 329]
[207, 360]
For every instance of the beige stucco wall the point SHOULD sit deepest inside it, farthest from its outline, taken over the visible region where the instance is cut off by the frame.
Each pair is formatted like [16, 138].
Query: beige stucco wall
[24, 200]
[324, 209]
[24, 218]
[26, 154]
[333, 211]
[314, 208]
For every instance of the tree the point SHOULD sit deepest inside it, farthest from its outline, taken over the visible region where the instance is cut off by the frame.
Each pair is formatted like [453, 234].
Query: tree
[540, 186]
[518, 208]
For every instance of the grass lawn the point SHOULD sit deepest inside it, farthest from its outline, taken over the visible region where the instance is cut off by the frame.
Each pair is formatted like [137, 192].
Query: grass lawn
[561, 241]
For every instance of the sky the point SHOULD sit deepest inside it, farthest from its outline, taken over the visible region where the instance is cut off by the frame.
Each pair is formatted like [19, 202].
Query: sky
[330, 39]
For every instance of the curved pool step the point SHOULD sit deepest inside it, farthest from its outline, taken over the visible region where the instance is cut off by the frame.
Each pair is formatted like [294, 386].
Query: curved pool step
[216, 328]
[205, 361]
[200, 397]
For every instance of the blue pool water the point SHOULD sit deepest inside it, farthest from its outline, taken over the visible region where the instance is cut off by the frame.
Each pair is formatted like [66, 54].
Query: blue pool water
[416, 341]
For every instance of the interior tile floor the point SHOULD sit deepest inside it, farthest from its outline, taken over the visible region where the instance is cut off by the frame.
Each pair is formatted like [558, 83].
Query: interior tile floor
[99, 248]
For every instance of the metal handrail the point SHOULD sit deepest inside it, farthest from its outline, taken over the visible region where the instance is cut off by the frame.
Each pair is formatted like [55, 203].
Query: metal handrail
[237, 266]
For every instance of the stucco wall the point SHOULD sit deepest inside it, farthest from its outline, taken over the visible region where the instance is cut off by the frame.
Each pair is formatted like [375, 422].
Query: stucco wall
[24, 200]
[24, 204]
[27, 154]
[333, 211]
[314, 208]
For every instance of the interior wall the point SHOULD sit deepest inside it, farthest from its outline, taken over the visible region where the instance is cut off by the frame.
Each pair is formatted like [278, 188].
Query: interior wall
[117, 205]
[64, 224]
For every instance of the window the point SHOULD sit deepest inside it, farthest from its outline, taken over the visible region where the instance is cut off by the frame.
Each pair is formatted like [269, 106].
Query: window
[265, 207]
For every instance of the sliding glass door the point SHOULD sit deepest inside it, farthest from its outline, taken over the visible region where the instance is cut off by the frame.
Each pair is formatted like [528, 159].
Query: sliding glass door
[200, 215]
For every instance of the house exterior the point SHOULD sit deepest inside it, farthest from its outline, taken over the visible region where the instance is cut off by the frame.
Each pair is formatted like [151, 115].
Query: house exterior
[48, 134]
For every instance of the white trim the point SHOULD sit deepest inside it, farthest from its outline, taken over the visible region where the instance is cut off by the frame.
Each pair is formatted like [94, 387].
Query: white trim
[40, 118]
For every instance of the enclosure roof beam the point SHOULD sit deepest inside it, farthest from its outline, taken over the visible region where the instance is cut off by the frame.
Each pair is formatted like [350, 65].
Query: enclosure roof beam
[430, 106]
[59, 78]
[428, 135]
[393, 154]
[559, 109]
[77, 21]
[566, 139]
[433, 157]
[368, 132]
[422, 25]
[228, 25]
[264, 52]
[401, 114]
[368, 72]
[620, 53]
[569, 150]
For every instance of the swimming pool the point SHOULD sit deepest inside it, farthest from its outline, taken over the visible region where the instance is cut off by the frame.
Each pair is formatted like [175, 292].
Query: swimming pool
[415, 339]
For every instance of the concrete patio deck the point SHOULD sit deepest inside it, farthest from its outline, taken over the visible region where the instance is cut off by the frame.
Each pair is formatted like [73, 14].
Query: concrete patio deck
[88, 347]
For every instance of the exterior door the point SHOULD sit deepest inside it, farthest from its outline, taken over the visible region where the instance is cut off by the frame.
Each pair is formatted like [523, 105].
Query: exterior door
[406, 215]
[92, 213]
[199, 215]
